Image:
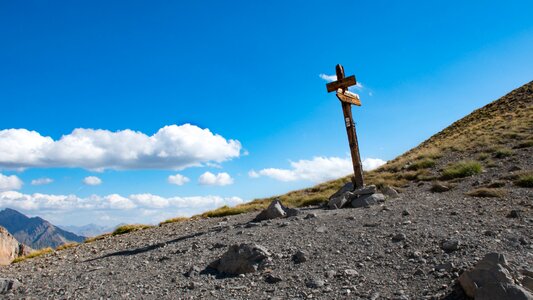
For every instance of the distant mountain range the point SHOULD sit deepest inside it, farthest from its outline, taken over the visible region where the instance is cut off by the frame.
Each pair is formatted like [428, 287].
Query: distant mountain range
[35, 232]
[89, 229]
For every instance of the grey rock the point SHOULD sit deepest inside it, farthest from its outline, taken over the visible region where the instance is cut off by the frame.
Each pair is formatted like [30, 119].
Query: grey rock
[389, 192]
[240, 259]
[336, 202]
[367, 190]
[367, 200]
[311, 216]
[498, 291]
[351, 272]
[274, 211]
[314, 283]
[492, 272]
[8, 284]
[193, 271]
[439, 187]
[348, 187]
[299, 257]
[449, 245]
[405, 212]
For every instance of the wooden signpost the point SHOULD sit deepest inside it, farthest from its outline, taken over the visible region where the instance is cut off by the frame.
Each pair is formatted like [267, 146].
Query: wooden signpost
[347, 99]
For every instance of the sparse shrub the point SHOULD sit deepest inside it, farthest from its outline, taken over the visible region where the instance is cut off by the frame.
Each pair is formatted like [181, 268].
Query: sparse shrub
[175, 220]
[439, 187]
[486, 192]
[503, 152]
[33, 254]
[462, 169]
[129, 228]
[422, 164]
[96, 238]
[496, 184]
[66, 246]
[483, 156]
[525, 180]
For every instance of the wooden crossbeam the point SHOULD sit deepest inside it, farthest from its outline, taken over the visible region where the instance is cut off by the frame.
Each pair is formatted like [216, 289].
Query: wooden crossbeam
[342, 83]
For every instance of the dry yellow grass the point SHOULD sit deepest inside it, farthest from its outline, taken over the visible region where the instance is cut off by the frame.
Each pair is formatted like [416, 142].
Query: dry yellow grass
[33, 254]
[67, 246]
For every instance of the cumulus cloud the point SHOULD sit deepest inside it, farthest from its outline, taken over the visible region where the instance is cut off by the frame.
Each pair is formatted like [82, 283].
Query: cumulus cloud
[221, 179]
[171, 147]
[113, 205]
[319, 169]
[9, 182]
[178, 179]
[92, 180]
[42, 181]
[372, 163]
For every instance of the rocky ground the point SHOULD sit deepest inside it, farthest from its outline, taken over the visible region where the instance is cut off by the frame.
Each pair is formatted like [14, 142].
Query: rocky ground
[412, 247]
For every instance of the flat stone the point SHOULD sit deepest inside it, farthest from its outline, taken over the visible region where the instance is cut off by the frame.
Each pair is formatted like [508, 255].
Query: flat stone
[367, 200]
[449, 245]
[367, 190]
[389, 192]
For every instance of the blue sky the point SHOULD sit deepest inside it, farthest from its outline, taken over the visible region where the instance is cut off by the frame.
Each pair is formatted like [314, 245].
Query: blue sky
[246, 76]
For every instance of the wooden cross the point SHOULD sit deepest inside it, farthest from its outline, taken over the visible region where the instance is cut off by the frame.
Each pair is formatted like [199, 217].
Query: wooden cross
[347, 99]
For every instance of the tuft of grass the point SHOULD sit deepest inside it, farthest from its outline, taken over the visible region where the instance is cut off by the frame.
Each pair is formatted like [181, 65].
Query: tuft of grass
[67, 246]
[424, 163]
[525, 180]
[496, 184]
[175, 220]
[503, 152]
[462, 169]
[33, 254]
[96, 238]
[483, 156]
[129, 228]
[486, 192]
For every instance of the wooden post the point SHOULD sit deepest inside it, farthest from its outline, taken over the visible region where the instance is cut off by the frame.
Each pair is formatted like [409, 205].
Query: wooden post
[357, 180]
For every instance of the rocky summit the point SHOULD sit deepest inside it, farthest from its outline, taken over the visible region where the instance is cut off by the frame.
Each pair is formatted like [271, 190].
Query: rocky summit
[450, 219]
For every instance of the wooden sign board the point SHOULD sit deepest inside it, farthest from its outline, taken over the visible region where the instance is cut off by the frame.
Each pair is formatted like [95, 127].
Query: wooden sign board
[341, 83]
[348, 97]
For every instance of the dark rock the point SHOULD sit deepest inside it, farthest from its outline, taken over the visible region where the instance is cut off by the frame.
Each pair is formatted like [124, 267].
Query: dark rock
[311, 216]
[336, 202]
[449, 245]
[367, 190]
[398, 237]
[8, 284]
[269, 278]
[498, 291]
[240, 259]
[405, 212]
[515, 214]
[350, 272]
[314, 283]
[299, 257]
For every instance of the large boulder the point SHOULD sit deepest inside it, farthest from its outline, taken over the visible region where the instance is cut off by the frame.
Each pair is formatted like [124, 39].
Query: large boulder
[240, 259]
[491, 279]
[10, 248]
[275, 210]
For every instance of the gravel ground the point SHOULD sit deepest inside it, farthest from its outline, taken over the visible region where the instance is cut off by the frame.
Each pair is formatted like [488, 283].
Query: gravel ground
[393, 250]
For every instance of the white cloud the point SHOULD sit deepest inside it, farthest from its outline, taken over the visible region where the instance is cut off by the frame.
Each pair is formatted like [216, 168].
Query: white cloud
[171, 147]
[253, 174]
[92, 180]
[328, 78]
[178, 179]
[9, 182]
[319, 169]
[370, 164]
[42, 181]
[114, 206]
[209, 178]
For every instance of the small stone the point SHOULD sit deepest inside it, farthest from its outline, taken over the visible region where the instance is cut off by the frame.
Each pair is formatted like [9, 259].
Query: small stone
[311, 216]
[269, 278]
[314, 283]
[439, 187]
[398, 237]
[299, 257]
[330, 273]
[489, 233]
[405, 212]
[515, 214]
[449, 245]
[193, 271]
[418, 272]
[8, 284]
[389, 192]
[350, 272]
[445, 267]
[321, 229]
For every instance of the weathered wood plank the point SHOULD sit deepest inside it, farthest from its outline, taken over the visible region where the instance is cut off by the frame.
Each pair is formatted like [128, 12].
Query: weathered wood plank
[348, 97]
[341, 83]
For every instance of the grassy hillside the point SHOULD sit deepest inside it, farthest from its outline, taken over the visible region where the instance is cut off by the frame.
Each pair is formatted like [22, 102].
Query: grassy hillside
[462, 149]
